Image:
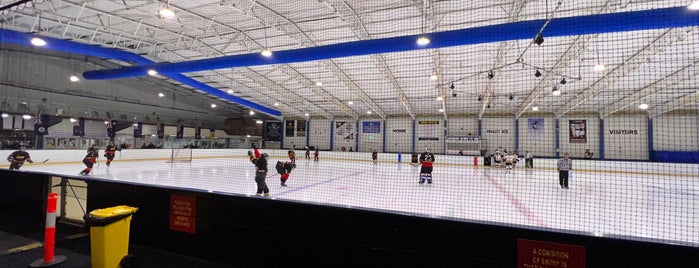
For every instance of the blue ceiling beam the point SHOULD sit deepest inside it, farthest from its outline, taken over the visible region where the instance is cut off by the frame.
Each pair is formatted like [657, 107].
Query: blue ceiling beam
[24, 39]
[570, 26]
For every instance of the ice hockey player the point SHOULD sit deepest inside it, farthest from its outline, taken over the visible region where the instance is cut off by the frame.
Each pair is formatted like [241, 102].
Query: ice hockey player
[90, 159]
[375, 157]
[261, 175]
[284, 169]
[17, 158]
[110, 151]
[426, 160]
[292, 156]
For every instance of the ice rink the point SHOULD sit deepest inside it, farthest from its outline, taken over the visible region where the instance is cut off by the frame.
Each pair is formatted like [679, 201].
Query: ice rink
[630, 205]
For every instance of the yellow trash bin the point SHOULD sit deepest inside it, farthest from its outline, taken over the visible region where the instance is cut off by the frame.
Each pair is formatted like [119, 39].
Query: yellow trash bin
[109, 236]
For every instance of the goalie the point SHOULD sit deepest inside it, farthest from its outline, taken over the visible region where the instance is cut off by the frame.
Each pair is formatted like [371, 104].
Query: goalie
[284, 168]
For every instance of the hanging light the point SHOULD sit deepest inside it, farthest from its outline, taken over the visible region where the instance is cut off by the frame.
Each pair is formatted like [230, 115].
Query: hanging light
[266, 52]
[161, 95]
[423, 41]
[693, 6]
[74, 78]
[166, 12]
[258, 121]
[37, 41]
[152, 72]
[213, 105]
[643, 106]
[535, 108]
[556, 91]
[599, 67]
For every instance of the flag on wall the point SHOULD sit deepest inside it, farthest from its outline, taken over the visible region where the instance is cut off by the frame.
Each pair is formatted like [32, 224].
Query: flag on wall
[138, 130]
[577, 131]
[197, 133]
[39, 127]
[536, 128]
[79, 127]
[289, 129]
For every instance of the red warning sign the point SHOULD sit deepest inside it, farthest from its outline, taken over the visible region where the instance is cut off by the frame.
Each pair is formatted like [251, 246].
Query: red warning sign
[541, 254]
[183, 213]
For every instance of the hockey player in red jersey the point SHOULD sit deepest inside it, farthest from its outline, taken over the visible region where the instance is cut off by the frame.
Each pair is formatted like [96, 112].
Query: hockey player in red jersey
[284, 168]
[110, 151]
[90, 159]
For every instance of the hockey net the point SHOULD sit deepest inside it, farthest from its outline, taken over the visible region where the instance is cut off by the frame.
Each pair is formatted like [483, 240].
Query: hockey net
[179, 155]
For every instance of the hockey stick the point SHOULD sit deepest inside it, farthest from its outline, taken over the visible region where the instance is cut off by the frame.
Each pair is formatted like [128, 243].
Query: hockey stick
[45, 160]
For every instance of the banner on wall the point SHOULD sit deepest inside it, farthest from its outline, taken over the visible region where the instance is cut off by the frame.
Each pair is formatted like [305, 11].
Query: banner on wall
[578, 131]
[273, 131]
[79, 127]
[138, 130]
[290, 126]
[160, 130]
[344, 130]
[212, 133]
[180, 132]
[428, 130]
[371, 127]
[39, 127]
[301, 128]
[197, 133]
[536, 128]
[111, 129]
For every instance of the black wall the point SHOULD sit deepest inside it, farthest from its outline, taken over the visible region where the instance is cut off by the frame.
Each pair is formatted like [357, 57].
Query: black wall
[244, 231]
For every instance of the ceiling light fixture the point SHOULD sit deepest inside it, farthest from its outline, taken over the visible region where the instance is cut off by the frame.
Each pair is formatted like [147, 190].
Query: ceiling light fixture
[350, 102]
[423, 41]
[213, 105]
[74, 78]
[5, 115]
[693, 6]
[27, 117]
[306, 114]
[434, 77]
[441, 110]
[152, 72]
[535, 108]
[230, 91]
[439, 98]
[166, 12]
[368, 112]
[537, 74]
[73, 120]
[161, 95]
[252, 112]
[556, 91]
[538, 39]
[319, 83]
[643, 106]
[599, 67]
[276, 104]
[36, 41]
[258, 122]
[266, 52]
